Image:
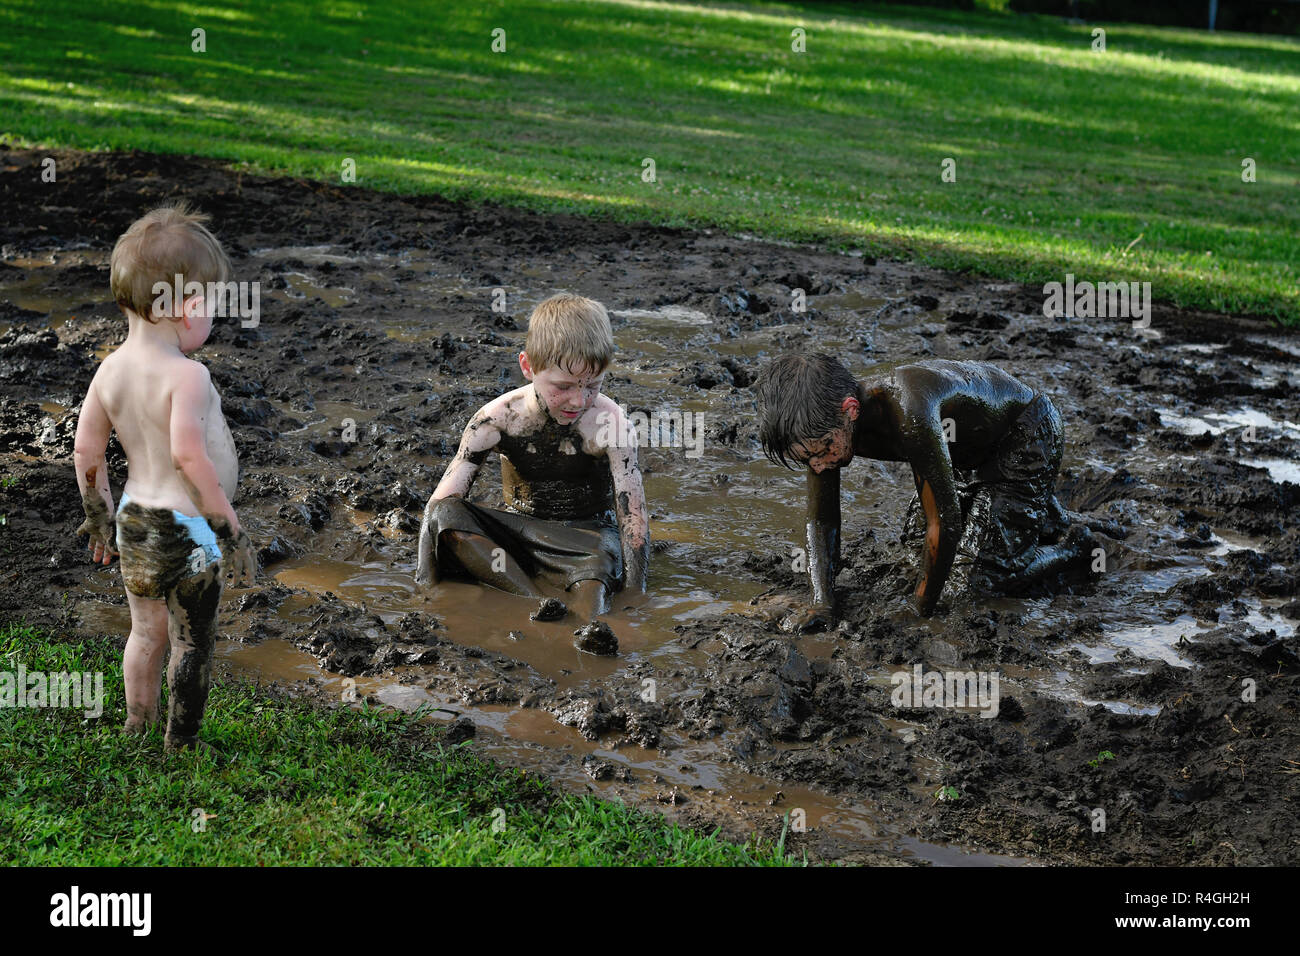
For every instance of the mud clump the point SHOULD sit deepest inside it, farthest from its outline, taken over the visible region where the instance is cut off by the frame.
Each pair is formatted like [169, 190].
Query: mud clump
[596, 638]
[598, 715]
[978, 320]
[459, 730]
[549, 609]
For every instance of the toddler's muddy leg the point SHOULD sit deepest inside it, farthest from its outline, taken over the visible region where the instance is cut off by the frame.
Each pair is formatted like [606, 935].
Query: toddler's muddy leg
[488, 562]
[142, 662]
[589, 599]
[192, 627]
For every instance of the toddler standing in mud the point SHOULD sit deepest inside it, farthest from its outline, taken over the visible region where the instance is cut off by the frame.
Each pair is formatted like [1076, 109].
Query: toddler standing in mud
[175, 517]
[576, 518]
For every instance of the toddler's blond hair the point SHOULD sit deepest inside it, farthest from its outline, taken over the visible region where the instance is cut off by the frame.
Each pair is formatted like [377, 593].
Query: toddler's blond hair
[160, 245]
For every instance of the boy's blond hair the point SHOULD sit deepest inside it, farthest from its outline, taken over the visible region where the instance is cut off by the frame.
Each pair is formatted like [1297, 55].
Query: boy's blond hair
[569, 331]
[160, 245]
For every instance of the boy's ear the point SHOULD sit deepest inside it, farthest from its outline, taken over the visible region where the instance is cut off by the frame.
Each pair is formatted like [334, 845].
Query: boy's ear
[851, 408]
[525, 366]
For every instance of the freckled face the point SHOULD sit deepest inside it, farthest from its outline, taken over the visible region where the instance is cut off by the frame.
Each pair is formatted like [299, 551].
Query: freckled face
[567, 393]
[833, 451]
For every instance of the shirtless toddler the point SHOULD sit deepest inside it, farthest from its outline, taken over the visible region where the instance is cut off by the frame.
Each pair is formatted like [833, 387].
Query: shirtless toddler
[175, 517]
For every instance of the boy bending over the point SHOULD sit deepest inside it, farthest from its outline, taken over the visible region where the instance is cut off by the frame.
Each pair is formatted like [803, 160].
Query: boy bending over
[576, 515]
[175, 517]
[940, 417]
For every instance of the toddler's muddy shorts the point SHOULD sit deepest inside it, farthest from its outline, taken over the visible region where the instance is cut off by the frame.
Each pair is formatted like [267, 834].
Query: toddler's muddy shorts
[160, 547]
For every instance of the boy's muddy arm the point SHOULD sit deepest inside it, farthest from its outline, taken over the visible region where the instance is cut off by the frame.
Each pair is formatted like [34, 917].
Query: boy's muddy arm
[197, 473]
[937, 488]
[93, 429]
[823, 538]
[633, 522]
[479, 437]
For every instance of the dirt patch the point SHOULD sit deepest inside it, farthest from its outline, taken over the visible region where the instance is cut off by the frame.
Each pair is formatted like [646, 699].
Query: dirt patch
[1162, 694]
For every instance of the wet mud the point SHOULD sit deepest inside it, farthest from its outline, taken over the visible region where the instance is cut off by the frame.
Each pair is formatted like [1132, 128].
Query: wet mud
[596, 638]
[1160, 691]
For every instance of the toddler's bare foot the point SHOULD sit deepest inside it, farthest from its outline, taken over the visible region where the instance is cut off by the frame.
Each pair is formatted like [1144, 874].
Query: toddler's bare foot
[139, 722]
[136, 727]
[596, 638]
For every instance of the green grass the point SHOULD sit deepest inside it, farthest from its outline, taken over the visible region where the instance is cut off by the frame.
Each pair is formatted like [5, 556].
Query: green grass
[1122, 165]
[301, 785]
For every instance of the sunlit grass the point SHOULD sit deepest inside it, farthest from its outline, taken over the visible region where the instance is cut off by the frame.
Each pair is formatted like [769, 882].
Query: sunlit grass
[1065, 155]
[298, 784]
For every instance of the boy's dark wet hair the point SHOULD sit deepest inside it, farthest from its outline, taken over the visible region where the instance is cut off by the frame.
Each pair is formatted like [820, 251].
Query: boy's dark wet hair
[800, 397]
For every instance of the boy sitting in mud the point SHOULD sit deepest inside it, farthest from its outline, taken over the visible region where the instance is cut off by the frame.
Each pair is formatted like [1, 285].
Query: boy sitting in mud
[942, 418]
[576, 516]
[182, 470]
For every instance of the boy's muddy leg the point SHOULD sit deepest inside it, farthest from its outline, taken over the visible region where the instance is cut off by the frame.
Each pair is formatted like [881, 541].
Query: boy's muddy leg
[589, 598]
[192, 627]
[142, 662]
[1051, 560]
[488, 562]
[1066, 518]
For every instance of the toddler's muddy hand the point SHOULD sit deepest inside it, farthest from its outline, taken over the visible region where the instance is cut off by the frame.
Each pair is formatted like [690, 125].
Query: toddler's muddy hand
[101, 553]
[100, 543]
[241, 560]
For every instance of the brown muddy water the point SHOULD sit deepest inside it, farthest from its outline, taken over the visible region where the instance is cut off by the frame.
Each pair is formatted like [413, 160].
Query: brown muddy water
[377, 340]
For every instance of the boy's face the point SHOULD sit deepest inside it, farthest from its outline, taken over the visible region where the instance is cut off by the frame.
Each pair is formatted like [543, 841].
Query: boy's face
[567, 393]
[831, 451]
[834, 450]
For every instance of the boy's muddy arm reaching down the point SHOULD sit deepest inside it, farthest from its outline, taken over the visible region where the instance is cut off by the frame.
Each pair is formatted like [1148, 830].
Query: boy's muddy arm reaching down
[191, 405]
[480, 436]
[93, 428]
[823, 546]
[936, 485]
[630, 507]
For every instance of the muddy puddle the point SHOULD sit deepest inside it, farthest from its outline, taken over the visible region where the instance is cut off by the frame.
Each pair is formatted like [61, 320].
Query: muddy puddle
[377, 342]
[531, 739]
